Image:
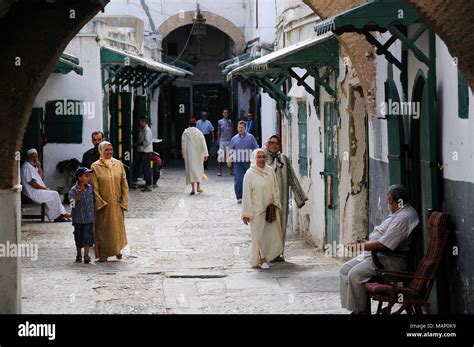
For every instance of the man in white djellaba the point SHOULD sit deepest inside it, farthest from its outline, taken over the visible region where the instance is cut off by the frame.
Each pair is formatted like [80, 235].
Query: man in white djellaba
[194, 151]
[260, 191]
[35, 189]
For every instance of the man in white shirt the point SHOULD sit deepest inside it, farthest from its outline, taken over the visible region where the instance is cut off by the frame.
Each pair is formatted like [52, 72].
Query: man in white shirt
[35, 189]
[392, 239]
[207, 129]
[144, 147]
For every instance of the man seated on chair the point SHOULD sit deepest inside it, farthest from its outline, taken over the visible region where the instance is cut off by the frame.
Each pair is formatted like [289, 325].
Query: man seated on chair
[35, 189]
[392, 240]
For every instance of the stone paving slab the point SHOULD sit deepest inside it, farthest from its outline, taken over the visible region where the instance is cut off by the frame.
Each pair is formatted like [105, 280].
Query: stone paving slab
[185, 255]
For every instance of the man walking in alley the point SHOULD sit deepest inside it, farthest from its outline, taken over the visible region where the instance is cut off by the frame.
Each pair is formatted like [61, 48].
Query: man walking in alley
[392, 238]
[144, 148]
[240, 149]
[92, 155]
[286, 178]
[225, 130]
[194, 151]
[207, 129]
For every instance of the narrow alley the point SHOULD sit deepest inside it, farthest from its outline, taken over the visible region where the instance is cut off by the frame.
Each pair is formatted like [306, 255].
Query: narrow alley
[185, 254]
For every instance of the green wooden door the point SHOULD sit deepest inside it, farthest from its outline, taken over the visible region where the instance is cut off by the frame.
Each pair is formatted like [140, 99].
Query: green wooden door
[331, 173]
[303, 139]
[428, 157]
[396, 138]
[120, 105]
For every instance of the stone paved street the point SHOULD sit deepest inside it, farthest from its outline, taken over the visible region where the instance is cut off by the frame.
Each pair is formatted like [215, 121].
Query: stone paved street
[186, 254]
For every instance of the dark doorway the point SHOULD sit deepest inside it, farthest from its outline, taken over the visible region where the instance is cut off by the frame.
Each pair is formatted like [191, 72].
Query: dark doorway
[207, 90]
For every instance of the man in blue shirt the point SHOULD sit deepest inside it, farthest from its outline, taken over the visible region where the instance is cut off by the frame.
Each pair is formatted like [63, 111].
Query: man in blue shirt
[207, 129]
[240, 149]
[225, 131]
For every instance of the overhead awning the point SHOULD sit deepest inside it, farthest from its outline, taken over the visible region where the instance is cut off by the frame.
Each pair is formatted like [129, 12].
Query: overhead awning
[320, 51]
[271, 70]
[380, 16]
[373, 16]
[126, 69]
[233, 63]
[66, 64]
[113, 56]
[176, 62]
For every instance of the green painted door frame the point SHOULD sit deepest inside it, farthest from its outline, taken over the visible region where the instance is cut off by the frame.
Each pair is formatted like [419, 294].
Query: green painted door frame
[396, 137]
[331, 173]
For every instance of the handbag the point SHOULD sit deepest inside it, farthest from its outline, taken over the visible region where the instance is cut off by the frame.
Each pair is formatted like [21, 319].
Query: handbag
[270, 214]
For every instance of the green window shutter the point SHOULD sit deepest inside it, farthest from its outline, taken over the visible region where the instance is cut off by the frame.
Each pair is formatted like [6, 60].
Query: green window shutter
[303, 141]
[463, 96]
[63, 121]
[395, 136]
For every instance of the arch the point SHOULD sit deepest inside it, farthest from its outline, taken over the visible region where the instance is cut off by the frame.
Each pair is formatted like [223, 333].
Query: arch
[212, 19]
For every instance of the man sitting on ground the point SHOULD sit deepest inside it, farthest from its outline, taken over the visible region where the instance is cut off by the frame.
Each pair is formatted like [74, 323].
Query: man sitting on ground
[35, 189]
[392, 239]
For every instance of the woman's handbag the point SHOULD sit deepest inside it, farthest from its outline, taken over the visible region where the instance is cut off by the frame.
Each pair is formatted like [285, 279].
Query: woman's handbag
[271, 213]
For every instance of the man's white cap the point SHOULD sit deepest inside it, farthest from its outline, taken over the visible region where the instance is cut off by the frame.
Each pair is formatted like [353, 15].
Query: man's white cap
[31, 151]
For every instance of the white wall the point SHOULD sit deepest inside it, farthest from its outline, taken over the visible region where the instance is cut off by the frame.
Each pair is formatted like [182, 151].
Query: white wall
[296, 23]
[269, 117]
[72, 86]
[456, 133]
[160, 10]
[457, 142]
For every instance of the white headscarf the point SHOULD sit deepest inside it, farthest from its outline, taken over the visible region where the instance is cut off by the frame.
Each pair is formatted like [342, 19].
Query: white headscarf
[253, 161]
[102, 146]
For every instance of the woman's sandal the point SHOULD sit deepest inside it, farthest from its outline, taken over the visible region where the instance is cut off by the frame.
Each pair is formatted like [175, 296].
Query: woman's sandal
[119, 256]
[61, 219]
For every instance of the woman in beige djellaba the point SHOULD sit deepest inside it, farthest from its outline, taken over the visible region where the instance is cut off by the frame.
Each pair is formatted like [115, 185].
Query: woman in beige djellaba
[260, 191]
[111, 201]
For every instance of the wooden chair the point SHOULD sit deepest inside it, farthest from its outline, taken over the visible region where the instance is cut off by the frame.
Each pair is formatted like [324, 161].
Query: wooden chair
[415, 295]
[26, 200]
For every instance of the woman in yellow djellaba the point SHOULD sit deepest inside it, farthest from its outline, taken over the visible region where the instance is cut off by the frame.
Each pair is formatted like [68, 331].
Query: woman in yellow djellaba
[111, 201]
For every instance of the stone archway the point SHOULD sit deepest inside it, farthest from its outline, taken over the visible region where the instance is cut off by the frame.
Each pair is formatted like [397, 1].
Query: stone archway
[219, 22]
[33, 36]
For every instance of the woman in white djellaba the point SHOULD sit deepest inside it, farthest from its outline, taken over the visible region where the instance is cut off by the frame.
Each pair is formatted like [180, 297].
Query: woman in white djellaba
[260, 191]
